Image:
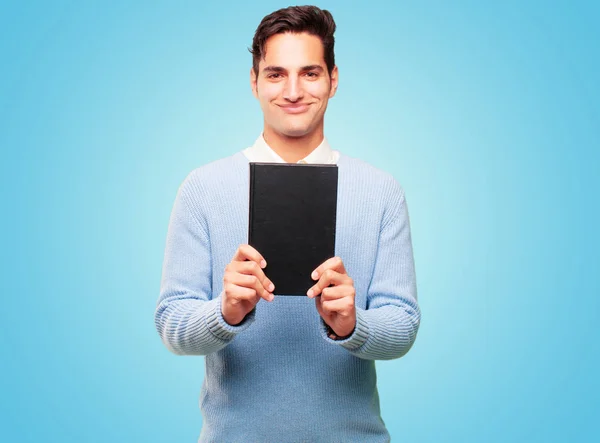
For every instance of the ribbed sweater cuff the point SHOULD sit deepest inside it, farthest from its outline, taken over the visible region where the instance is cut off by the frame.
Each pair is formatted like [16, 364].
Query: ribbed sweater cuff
[358, 337]
[219, 327]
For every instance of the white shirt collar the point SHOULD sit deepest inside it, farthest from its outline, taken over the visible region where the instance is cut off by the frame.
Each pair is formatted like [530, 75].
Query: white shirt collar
[262, 152]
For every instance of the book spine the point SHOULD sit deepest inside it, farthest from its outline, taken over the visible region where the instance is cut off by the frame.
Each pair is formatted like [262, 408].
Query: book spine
[251, 171]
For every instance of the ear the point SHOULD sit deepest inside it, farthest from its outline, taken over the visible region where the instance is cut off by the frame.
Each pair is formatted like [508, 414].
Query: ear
[334, 81]
[253, 82]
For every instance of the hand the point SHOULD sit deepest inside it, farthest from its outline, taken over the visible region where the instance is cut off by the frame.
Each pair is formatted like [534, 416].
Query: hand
[244, 284]
[336, 303]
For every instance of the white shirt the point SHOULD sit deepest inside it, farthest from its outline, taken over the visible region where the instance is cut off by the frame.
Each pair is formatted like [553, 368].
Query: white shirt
[262, 152]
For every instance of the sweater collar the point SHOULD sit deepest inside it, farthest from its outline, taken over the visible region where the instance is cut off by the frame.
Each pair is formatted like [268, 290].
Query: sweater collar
[262, 152]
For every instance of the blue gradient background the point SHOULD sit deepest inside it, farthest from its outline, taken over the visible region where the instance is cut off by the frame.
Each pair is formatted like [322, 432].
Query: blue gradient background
[486, 113]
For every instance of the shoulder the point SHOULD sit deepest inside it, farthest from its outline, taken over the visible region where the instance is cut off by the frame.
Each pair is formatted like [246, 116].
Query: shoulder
[370, 177]
[215, 173]
[216, 168]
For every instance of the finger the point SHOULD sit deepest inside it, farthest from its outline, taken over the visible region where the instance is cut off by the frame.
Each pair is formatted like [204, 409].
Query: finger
[247, 274]
[254, 282]
[333, 263]
[329, 278]
[318, 304]
[251, 281]
[341, 306]
[337, 292]
[251, 268]
[247, 252]
[238, 293]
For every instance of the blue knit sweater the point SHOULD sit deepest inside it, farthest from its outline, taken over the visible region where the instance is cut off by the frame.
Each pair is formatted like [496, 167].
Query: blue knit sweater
[277, 377]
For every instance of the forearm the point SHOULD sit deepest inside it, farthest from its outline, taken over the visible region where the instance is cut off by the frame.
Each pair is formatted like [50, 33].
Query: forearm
[192, 326]
[387, 327]
[187, 317]
[384, 333]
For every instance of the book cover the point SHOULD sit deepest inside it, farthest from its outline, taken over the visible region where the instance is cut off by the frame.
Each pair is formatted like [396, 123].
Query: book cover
[292, 219]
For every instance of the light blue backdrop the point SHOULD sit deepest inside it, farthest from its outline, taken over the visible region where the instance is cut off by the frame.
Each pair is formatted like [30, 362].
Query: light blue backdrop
[486, 112]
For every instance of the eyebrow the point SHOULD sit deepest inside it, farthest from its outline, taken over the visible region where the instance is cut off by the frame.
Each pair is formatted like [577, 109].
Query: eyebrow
[279, 69]
[273, 69]
[312, 68]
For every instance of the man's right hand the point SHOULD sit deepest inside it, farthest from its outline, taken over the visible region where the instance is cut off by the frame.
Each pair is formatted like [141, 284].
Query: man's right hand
[244, 284]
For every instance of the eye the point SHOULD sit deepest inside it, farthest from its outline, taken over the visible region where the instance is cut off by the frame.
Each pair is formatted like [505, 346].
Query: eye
[312, 74]
[274, 75]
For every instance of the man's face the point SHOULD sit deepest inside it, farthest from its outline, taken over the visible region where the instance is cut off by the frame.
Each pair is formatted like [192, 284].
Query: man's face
[293, 85]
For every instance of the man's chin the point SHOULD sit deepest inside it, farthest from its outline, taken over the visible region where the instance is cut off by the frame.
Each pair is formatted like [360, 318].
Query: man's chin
[295, 132]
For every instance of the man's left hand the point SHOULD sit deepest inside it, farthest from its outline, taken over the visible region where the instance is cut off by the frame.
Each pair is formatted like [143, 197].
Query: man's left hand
[336, 301]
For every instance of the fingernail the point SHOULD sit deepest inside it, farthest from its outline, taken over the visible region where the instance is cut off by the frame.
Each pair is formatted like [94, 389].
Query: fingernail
[310, 293]
[314, 275]
[272, 297]
[263, 264]
[271, 287]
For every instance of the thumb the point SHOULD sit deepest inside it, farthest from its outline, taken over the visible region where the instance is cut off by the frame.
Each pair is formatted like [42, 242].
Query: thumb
[319, 307]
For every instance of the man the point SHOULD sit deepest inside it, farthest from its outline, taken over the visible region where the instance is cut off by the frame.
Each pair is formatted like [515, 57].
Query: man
[285, 368]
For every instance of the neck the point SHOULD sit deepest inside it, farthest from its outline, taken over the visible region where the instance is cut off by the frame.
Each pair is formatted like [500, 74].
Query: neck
[292, 149]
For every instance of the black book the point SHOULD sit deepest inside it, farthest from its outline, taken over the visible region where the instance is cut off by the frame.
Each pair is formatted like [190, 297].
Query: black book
[292, 220]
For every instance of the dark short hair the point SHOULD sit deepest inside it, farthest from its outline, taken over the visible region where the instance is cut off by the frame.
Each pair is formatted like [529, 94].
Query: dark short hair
[295, 19]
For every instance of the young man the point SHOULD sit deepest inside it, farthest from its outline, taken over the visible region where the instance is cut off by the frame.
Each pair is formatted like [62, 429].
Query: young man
[289, 368]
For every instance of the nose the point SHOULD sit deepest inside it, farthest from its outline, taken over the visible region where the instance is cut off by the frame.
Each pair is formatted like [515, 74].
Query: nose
[293, 89]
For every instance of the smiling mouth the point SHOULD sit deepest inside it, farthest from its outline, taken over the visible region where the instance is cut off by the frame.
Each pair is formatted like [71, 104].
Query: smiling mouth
[295, 108]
